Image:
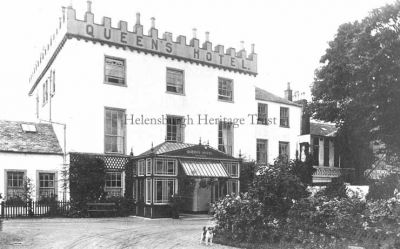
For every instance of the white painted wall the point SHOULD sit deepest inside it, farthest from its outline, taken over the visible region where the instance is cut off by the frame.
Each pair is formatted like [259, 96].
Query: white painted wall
[30, 163]
[81, 96]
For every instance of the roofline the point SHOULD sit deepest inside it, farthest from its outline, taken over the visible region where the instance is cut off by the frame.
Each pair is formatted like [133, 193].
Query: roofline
[185, 157]
[280, 102]
[51, 60]
[32, 152]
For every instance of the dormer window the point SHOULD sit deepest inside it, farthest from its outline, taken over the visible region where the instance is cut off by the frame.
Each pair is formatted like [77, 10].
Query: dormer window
[28, 128]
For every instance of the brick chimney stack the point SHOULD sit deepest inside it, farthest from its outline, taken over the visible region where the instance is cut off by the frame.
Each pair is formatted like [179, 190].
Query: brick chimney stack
[289, 93]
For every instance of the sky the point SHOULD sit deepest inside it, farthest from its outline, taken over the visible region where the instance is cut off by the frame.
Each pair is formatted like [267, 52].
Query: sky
[290, 36]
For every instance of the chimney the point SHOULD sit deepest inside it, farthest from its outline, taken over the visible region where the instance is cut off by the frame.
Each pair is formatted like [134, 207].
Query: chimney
[289, 93]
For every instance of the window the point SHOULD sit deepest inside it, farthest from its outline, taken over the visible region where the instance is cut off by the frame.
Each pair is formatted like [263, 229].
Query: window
[316, 151]
[141, 167]
[232, 168]
[284, 150]
[175, 129]
[29, 128]
[37, 105]
[284, 117]
[262, 117]
[148, 190]
[15, 184]
[114, 71]
[148, 166]
[225, 137]
[47, 186]
[114, 131]
[165, 167]
[262, 151]
[113, 184]
[225, 89]
[326, 152]
[140, 190]
[164, 189]
[233, 186]
[53, 82]
[175, 81]
[45, 92]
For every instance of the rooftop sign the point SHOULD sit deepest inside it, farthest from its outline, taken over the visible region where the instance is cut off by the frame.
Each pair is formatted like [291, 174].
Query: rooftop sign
[120, 36]
[71, 27]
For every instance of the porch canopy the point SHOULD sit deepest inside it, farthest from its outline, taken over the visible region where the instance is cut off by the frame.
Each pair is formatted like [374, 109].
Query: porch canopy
[203, 168]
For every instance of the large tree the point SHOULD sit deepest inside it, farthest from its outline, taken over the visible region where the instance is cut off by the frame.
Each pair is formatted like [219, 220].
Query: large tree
[358, 87]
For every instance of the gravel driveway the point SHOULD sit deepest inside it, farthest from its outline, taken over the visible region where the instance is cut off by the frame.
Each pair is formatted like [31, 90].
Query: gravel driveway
[131, 232]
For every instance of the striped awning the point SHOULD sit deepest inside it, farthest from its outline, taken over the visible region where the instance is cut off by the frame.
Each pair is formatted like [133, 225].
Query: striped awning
[203, 168]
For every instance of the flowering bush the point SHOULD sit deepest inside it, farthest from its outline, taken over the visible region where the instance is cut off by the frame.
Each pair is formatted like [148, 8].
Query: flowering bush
[240, 218]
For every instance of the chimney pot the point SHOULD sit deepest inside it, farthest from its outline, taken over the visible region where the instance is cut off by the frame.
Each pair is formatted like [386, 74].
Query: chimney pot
[241, 45]
[252, 48]
[137, 18]
[207, 36]
[194, 33]
[153, 23]
[89, 6]
[289, 93]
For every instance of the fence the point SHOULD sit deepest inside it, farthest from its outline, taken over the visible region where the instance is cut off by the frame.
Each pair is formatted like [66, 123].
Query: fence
[34, 209]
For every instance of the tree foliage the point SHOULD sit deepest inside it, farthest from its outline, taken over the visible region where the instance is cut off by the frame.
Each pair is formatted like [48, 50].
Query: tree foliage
[87, 179]
[358, 85]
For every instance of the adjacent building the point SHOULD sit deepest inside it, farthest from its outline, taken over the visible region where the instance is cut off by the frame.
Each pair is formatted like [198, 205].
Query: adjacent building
[30, 151]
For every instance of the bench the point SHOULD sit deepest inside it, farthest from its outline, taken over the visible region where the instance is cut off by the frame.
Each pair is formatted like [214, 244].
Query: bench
[97, 207]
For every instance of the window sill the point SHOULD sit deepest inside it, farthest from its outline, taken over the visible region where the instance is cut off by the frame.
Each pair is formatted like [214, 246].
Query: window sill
[114, 84]
[284, 126]
[225, 100]
[174, 93]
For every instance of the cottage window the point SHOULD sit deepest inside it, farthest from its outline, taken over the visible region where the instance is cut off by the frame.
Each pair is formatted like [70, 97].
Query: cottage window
[141, 167]
[232, 168]
[148, 166]
[164, 189]
[284, 150]
[225, 137]
[114, 71]
[175, 129]
[166, 167]
[262, 117]
[225, 89]
[262, 151]
[284, 117]
[148, 191]
[114, 131]
[175, 81]
[45, 92]
[113, 184]
[47, 186]
[15, 184]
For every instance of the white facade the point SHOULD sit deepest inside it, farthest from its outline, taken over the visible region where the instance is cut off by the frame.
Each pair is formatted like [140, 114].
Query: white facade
[81, 96]
[31, 164]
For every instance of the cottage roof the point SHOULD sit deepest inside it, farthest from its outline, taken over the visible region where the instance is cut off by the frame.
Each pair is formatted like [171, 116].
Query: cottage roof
[263, 95]
[28, 137]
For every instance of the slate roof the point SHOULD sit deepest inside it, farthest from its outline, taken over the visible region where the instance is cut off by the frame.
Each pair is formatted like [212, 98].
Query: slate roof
[261, 94]
[14, 139]
[167, 147]
[320, 128]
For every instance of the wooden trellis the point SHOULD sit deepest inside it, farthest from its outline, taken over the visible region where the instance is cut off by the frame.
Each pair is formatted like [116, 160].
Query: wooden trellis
[112, 162]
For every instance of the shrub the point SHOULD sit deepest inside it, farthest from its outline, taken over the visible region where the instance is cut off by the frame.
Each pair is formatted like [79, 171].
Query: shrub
[277, 188]
[240, 218]
[335, 189]
[384, 188]
[87, 181]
